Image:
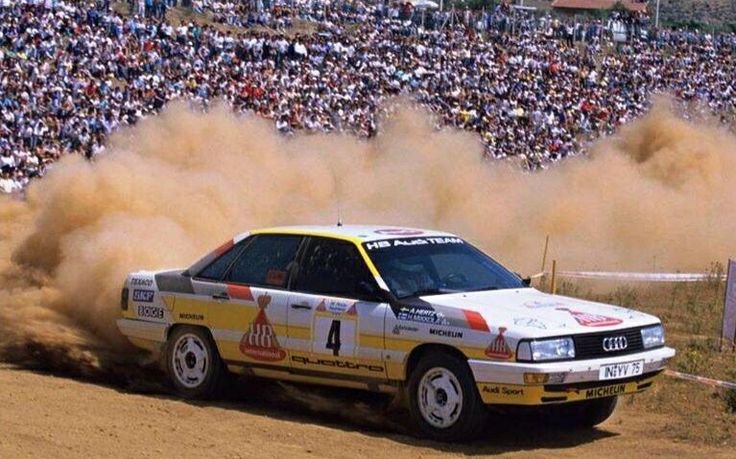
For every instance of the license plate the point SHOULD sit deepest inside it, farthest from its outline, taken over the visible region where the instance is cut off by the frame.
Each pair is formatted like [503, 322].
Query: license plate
[621, 370]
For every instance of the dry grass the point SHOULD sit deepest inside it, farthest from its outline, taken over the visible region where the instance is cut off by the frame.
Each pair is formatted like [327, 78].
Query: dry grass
[692, 315]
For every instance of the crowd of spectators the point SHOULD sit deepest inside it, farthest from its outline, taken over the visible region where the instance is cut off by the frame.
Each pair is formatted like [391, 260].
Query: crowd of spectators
[535, 88]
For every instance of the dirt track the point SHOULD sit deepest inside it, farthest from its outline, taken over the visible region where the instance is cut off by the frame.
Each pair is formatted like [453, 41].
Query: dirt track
[49, 416]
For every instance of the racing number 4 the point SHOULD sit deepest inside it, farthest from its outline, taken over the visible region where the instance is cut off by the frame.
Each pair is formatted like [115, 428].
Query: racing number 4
[333, 338]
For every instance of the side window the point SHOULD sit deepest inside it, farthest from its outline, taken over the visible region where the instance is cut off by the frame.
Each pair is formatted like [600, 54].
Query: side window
[216, 269]
[333, 267]
[265, 261]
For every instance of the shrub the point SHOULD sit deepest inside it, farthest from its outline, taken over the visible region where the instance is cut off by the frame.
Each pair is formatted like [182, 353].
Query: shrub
[729, 395]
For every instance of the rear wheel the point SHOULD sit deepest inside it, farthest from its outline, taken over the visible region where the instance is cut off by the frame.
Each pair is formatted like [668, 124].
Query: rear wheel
[193, 363]
[443, 400]
[584, 414]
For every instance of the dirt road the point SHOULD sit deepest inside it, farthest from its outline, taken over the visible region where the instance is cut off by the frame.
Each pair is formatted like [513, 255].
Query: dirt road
[43, 415]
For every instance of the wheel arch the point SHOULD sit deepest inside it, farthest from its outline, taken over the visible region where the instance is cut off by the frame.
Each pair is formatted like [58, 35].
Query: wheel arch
[420, 351]
[176, 326]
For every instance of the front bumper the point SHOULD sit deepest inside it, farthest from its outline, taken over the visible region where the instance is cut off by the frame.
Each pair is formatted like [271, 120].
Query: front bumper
[503, 382]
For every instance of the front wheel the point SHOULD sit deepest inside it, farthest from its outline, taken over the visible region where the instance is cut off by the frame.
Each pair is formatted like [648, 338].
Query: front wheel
[443, 400]
[193, 363]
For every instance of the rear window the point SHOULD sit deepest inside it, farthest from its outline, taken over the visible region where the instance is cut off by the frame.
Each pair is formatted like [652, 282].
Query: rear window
[265, 261]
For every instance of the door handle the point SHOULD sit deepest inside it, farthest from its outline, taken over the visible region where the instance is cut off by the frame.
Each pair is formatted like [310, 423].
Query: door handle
[301, 306]
[221, 296]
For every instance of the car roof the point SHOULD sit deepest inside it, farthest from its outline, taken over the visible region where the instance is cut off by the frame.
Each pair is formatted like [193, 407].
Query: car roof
[356, 233]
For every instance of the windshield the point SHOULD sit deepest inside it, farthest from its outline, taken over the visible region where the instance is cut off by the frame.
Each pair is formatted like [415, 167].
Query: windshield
[435, 265]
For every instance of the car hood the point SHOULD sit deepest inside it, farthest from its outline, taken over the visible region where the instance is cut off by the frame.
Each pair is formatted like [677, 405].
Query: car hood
[532, 313]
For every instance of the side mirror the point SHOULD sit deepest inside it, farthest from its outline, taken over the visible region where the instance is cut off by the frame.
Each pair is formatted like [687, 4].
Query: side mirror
[370, 292]
[525, 281]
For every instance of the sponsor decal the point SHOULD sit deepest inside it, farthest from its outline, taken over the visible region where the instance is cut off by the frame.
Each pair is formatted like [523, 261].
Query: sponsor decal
[503, 390]
[588, 319]
[191, 316]
[399, 328]
[446, 333]
[143, 296]
[499, 349]
[378, 245]
[605, 391]
[543, 304]
[260, 342]
[475, 320]
[423, 315]
[398, 232]
[276, 277]
[337, 307]
[240, 292]
[152, 312]
[412, 242]
[336, 363]
[426, 241]
[615, 343]
[138, 282]
[529, 322]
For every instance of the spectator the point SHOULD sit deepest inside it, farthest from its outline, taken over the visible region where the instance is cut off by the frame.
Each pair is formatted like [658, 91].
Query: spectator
[71, 73]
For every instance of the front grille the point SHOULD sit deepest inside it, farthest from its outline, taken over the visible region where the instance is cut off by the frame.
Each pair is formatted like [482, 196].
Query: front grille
[590, 346]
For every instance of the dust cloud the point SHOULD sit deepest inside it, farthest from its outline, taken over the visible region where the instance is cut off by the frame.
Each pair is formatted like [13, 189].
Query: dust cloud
[660, 193]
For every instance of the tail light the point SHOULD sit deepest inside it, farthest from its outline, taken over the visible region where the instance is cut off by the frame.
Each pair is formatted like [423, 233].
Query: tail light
[124, 299]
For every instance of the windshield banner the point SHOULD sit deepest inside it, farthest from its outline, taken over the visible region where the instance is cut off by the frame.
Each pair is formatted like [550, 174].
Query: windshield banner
[412, 241]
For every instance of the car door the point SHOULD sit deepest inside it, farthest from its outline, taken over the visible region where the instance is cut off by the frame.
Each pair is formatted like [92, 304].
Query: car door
[247, 315]
[335, 322]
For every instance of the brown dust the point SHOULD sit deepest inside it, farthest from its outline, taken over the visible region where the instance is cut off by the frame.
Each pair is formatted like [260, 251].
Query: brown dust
[659, 193]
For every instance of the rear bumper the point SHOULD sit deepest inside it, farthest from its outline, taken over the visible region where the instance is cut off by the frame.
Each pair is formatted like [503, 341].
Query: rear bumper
[503, 382]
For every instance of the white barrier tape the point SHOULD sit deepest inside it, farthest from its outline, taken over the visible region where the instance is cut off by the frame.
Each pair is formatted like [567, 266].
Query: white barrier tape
[645, 277]
[701, 379]
[534, 276]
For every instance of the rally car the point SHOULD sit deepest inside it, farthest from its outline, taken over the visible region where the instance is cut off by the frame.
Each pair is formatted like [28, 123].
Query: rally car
[422, 314]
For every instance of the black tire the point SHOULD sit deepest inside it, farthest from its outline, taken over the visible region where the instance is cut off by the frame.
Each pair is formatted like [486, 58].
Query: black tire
[585, 414]
[194, 364]
[468, 419]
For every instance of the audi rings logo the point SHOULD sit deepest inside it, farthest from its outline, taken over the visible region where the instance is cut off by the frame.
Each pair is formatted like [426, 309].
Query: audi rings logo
[615, 343]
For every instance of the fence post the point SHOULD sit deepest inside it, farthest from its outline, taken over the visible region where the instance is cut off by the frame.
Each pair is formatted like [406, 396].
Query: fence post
[544, 255]
[554, 277]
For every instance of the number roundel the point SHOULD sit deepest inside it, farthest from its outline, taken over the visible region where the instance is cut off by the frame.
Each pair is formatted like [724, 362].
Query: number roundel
[334, 335]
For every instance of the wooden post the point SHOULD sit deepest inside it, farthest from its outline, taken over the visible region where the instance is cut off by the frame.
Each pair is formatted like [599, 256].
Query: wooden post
[554, 277]
[544, 255]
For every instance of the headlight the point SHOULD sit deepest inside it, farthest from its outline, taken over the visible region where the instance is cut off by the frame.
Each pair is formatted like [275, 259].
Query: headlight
[652, 336]
[546, 349]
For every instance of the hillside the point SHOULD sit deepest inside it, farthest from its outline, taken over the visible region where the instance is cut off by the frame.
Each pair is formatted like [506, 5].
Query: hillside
[706, 14]
[701, 14]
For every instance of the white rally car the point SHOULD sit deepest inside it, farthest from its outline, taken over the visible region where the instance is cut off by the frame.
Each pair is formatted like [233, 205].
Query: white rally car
[418, 313]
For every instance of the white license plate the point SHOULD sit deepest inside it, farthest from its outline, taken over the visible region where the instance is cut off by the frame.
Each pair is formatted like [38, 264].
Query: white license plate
[621, 370]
